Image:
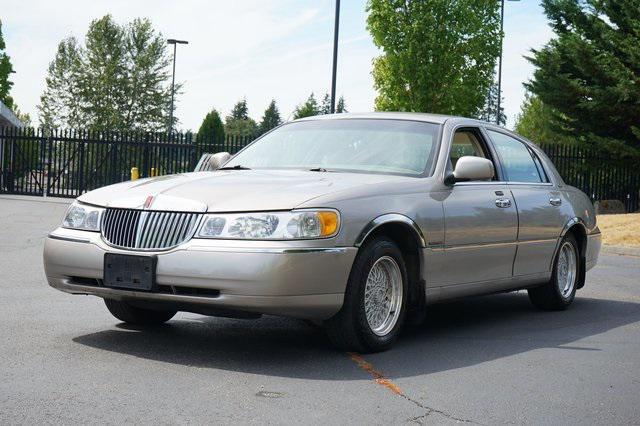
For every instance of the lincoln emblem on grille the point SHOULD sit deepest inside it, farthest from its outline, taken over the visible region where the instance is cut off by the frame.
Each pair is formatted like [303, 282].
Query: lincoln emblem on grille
[148, 202]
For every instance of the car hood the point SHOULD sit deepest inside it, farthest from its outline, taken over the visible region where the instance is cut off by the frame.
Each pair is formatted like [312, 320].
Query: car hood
[229, 190]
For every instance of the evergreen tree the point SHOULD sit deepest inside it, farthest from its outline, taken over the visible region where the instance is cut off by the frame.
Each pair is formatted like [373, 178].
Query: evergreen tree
[240, 110]
[118, 80]
[341, 106]
[589, 74]
[6, 69]
[211, 130]
[437, 56]
[271, 118]
[238, 123]
[325, 106]
[307, 108]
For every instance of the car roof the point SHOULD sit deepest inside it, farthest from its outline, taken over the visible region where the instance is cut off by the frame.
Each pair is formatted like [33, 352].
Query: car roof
[415, 116]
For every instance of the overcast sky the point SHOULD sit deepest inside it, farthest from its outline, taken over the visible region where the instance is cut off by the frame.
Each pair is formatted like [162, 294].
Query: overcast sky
[255, 48]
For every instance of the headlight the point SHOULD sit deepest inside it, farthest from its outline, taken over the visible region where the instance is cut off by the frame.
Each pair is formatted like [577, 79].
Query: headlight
[295, 225]
[82, 216]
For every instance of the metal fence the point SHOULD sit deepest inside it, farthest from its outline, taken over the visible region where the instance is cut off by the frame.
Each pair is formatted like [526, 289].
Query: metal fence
[67, 163]
[601, 176]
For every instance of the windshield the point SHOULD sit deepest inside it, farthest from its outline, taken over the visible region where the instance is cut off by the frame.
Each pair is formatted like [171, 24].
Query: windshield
[379, 146]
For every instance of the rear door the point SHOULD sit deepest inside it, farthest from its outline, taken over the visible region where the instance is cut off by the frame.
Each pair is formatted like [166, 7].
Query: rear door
[480, 220]
[538, 201]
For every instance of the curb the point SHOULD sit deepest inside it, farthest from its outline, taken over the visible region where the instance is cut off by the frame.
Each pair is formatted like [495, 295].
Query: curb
[621, 250]
[37, 198]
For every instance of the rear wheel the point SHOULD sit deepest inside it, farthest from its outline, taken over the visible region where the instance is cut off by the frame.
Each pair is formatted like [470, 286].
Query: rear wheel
[560, 291]
[138, 316]
[375, 300]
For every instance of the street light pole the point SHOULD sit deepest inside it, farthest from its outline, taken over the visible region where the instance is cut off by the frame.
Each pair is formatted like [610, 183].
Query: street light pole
[173, 78]
[500, 62]
[336, 27]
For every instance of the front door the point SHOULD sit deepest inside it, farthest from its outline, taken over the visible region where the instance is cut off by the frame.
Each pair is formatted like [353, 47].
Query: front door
[481, 222]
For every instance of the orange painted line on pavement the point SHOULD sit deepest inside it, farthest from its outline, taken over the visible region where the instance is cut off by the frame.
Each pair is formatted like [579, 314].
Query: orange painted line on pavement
[377, 376]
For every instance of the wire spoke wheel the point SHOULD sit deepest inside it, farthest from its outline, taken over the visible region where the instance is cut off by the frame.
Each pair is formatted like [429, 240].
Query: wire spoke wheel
[567, 269]
[383, 295]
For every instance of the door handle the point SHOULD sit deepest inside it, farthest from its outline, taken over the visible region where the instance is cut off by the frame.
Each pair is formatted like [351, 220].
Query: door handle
[503, 203]
[555, 201]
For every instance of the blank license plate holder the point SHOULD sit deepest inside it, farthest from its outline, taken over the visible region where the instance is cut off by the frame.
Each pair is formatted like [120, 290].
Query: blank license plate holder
[130, 272]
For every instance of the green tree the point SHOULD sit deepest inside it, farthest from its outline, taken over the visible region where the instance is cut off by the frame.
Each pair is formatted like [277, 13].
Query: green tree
[535, 122]
[307, 109]
[341, 106]
[325, 106]
[590, 72]
[238, 123]
[211, 130]
[118, 80]
[61, 104]
[438, 56]
[489, 111]
[24, 117]
[271, 118]
[240, 110]
[6, 69]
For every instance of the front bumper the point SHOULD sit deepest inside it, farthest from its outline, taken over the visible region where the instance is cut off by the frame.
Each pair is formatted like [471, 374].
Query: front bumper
[303, 279]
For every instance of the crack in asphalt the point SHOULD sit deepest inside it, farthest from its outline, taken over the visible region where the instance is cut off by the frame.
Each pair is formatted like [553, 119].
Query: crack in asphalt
[431, 410]
[380, 379]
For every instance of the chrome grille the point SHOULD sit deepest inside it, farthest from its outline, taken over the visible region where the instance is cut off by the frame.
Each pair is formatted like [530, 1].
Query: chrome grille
[141, 229]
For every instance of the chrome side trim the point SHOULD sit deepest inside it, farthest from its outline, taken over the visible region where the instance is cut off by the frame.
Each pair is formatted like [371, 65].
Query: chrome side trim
[390, 218]
[72, 239]
[270, 250]
[479, 245]
[530, 183]
[480, 183]
[534, 241]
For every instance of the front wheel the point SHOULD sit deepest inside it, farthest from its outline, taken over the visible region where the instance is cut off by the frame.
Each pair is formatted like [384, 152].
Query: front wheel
[560, 291]
[137, 316]
[375, 300]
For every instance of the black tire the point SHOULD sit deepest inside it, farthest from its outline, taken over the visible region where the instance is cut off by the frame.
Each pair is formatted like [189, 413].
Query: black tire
[349, 329]
[549, 296]
[137, 316]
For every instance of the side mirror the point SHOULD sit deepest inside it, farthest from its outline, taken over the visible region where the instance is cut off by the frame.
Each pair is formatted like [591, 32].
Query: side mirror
[211, 162]
[472, 168]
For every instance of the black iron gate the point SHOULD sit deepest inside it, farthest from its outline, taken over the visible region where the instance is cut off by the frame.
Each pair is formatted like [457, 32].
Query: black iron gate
[599, 175]
[67, 163]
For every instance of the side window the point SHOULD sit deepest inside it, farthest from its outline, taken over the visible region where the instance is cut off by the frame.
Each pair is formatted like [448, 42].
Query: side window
[518, 162]
[465, 143]
[541, 172]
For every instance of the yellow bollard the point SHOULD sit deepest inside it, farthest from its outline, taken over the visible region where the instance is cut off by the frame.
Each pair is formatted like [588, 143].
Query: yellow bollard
[134, 173]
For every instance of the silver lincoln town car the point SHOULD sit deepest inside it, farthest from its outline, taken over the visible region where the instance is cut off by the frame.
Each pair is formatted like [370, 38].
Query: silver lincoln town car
[358, 221]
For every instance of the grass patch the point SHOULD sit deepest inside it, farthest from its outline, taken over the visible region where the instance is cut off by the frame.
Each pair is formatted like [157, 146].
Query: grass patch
[620, 229]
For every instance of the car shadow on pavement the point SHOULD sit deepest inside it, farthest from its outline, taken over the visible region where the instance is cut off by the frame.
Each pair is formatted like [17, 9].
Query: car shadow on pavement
[455, 335]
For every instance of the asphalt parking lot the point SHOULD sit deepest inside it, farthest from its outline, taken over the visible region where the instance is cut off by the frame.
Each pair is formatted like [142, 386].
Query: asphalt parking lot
[486, 360]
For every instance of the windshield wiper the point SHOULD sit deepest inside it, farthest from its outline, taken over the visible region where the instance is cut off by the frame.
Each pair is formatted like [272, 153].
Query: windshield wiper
[318, 169]
[236, 167]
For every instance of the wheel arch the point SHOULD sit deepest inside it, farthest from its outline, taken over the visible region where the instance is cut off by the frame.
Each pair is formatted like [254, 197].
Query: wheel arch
[407, 235]
[578, 229]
